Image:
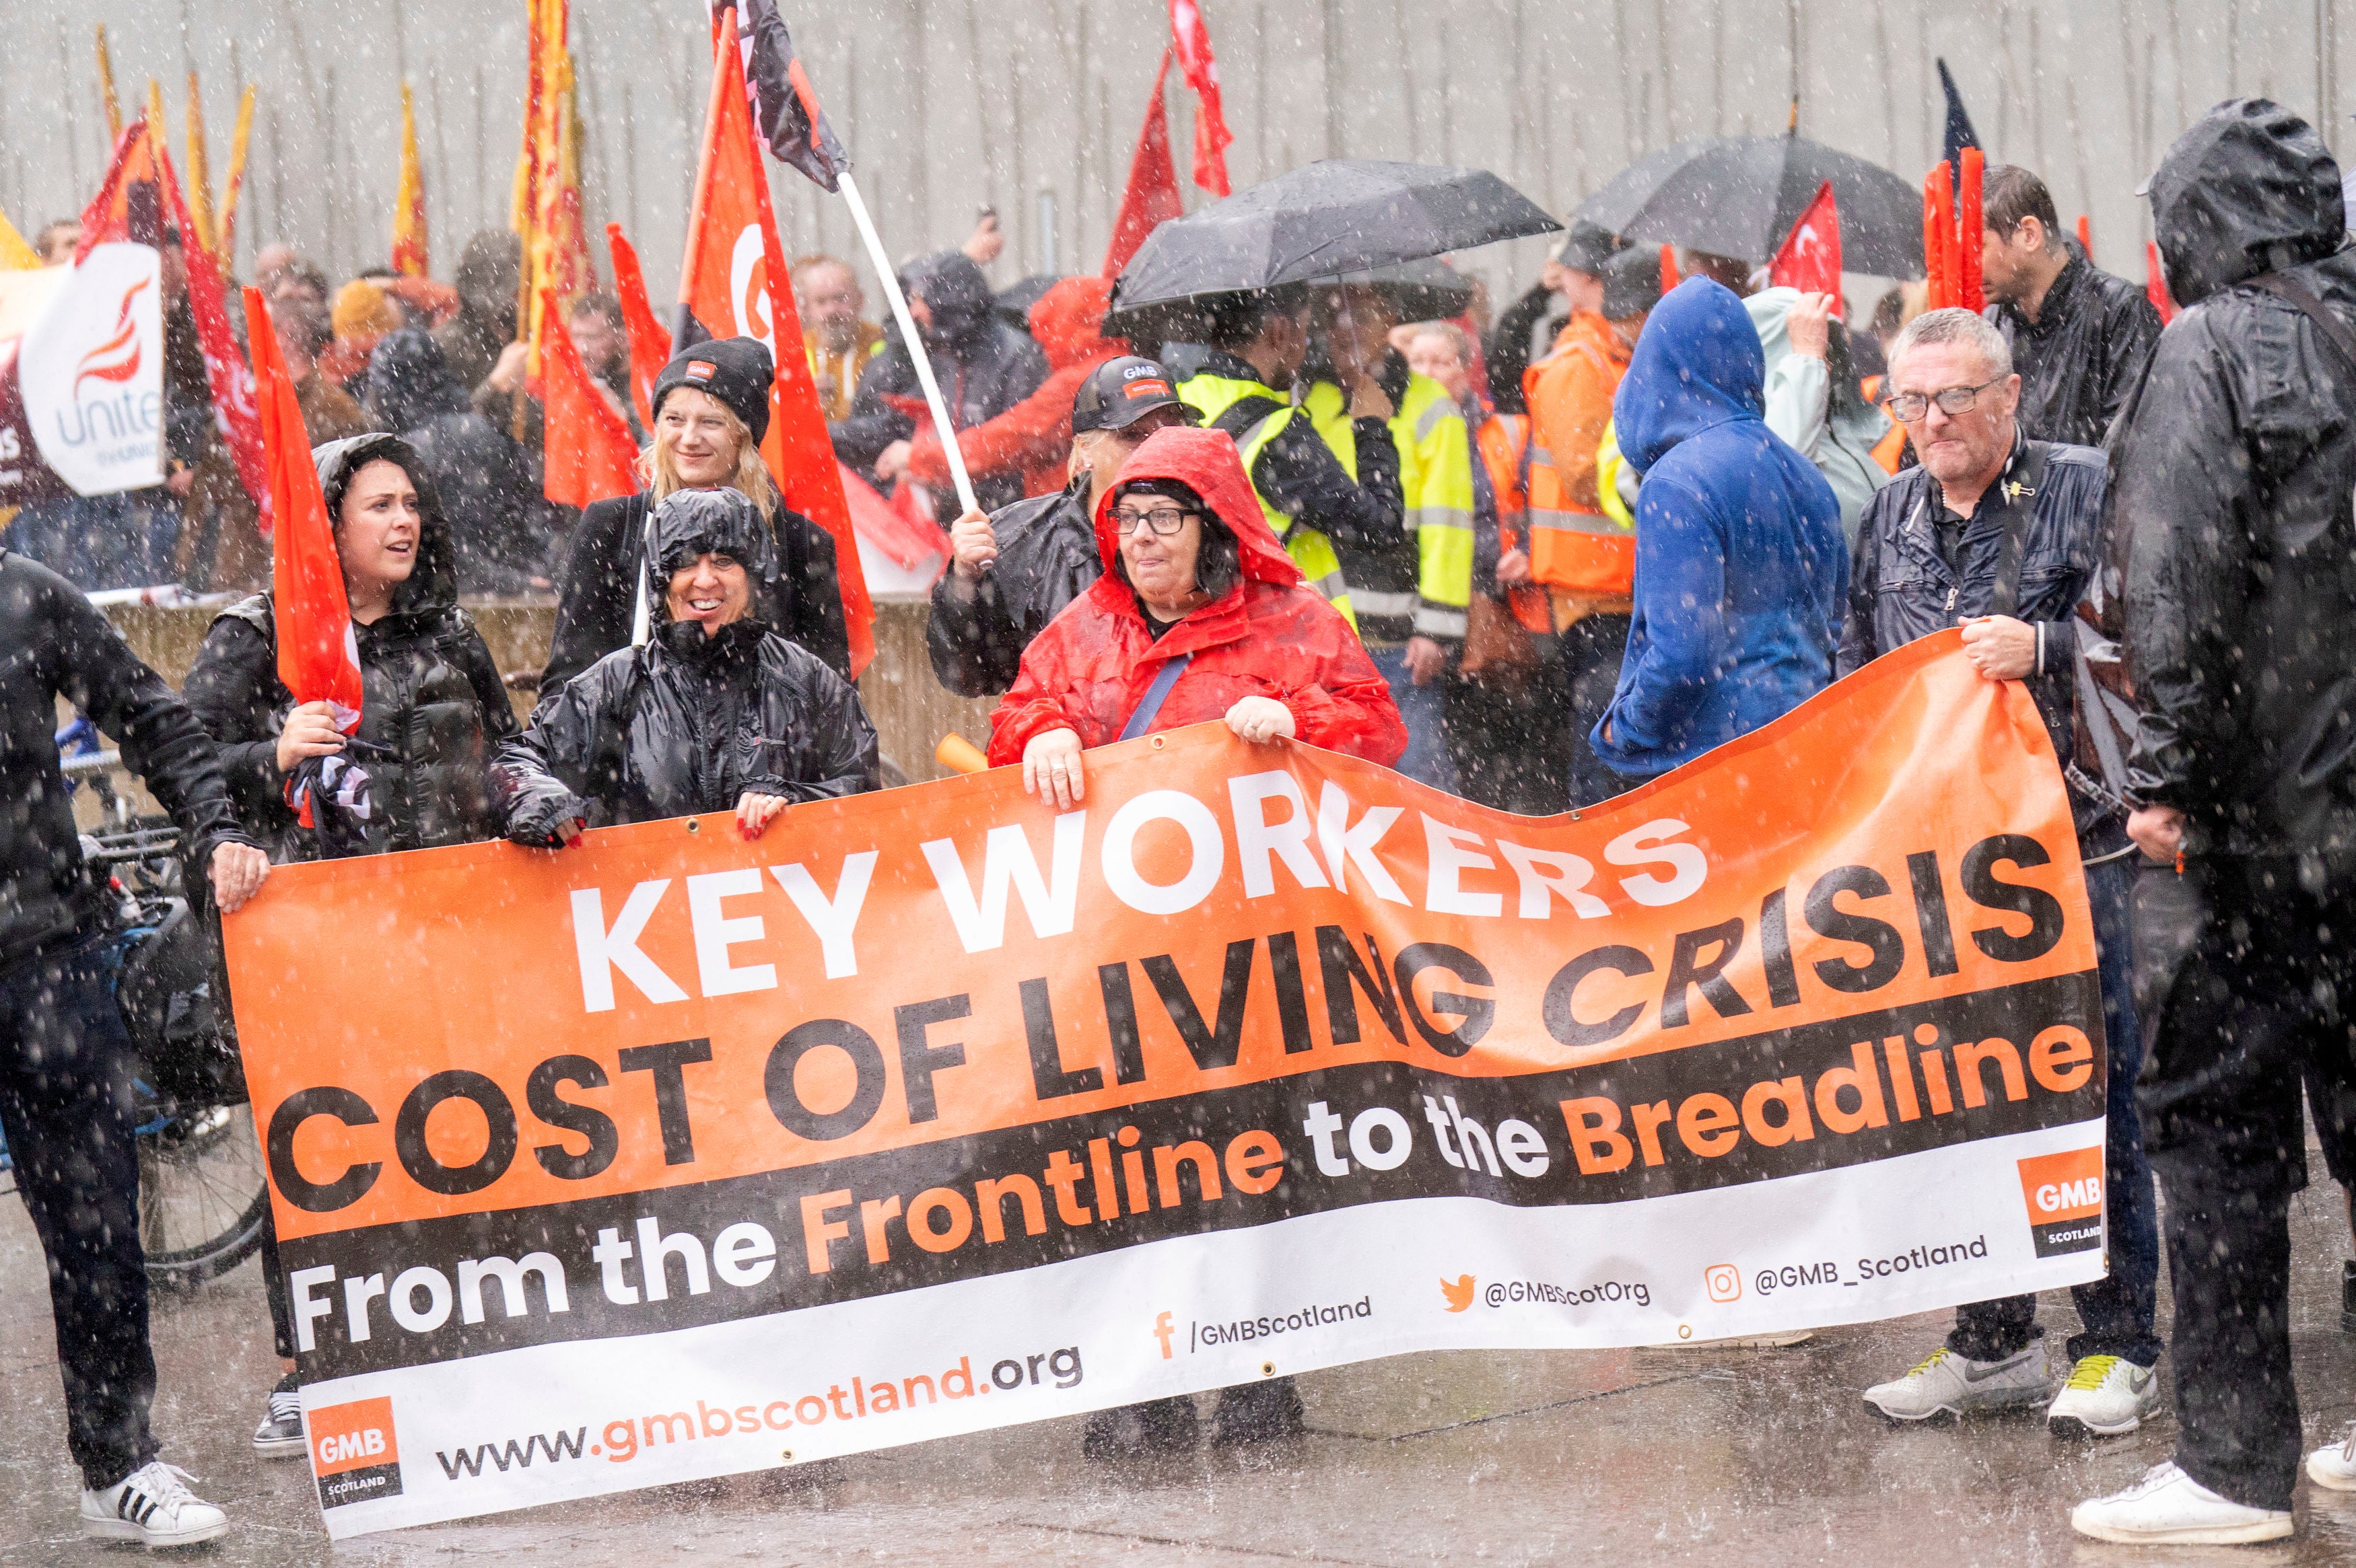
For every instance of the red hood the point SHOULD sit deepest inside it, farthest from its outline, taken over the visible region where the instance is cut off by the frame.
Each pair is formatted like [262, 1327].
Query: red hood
[1065, 322]
[1205, 462]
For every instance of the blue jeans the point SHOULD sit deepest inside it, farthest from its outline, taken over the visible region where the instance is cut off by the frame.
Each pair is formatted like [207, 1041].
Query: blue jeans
[1423, 708]
[2116, 1311]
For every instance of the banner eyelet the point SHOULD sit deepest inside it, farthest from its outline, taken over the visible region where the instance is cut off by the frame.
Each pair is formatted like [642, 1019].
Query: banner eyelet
[1267, 1369]
[788, 1455]
[694, 825]
[1685, 1330]
[1159, 742]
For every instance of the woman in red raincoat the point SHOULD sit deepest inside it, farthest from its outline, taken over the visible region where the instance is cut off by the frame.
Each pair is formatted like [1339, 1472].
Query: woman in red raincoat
[1193, 577]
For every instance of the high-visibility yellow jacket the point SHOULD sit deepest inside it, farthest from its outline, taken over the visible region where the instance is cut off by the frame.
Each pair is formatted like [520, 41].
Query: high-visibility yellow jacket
[1435, 482]
[1216, 397]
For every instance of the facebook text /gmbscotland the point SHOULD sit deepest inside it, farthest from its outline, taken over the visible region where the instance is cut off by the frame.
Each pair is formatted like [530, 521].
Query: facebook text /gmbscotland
[1243, 1330]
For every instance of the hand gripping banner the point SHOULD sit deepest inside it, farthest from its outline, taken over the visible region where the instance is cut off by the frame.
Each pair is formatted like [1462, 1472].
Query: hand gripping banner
[676, 1154]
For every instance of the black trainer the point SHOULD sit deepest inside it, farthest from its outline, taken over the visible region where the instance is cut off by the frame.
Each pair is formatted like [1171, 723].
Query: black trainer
[1258, 1413]
[1155, 1426]
[2348, 1297]
[280, 1435]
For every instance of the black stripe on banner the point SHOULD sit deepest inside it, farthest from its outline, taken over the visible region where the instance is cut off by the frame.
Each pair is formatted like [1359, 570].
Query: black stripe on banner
[1818, 1097]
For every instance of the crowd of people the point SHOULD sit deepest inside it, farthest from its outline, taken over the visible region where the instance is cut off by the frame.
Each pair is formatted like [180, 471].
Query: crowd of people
[1536, 560]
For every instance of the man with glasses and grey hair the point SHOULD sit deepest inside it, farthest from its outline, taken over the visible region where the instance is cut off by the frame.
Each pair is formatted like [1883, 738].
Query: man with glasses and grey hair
[1997, 533]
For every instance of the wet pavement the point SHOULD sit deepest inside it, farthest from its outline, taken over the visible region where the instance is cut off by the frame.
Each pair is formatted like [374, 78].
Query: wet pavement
[1673, 1456]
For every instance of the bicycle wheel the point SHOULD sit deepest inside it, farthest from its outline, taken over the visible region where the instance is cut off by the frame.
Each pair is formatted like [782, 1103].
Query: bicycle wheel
[203, 1198]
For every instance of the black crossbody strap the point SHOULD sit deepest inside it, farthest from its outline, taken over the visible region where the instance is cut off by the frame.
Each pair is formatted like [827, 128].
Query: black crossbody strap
[2284, 286]
[2026, 477]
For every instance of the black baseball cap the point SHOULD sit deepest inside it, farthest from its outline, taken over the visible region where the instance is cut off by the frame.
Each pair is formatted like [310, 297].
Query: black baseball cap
[1119, 392]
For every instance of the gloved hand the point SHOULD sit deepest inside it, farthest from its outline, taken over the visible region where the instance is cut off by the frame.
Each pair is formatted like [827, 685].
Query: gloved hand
[549, 824]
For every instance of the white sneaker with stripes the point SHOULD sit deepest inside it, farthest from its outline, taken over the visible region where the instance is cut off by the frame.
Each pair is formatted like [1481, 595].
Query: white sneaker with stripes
[152, 1506]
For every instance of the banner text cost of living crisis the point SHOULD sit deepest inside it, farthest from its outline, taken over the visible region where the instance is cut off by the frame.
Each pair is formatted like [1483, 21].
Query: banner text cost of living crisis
[1255, 1029]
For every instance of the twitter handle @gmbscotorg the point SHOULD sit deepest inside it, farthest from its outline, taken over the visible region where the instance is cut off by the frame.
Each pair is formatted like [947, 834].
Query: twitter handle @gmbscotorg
[1543, 1293]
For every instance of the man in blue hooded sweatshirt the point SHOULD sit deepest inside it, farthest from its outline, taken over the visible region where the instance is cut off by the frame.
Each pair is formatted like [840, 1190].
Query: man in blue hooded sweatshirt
[1741, 570]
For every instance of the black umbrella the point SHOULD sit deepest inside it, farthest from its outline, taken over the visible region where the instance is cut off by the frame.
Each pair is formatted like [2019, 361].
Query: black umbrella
[1338, 217]
[1738, 196]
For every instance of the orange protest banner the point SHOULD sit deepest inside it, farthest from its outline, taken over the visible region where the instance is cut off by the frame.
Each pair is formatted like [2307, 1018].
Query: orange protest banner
[1310, 1034]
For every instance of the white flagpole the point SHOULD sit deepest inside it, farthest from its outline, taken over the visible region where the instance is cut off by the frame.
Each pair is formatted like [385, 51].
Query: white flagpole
[909, 335]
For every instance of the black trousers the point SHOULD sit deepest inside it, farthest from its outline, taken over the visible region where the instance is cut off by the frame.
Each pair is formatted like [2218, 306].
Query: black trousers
[65, 1106]
[1592, 649]
[2242, 976]
[1510, 740]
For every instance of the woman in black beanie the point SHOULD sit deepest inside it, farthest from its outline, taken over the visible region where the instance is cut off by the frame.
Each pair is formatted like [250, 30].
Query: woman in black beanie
[711, 409]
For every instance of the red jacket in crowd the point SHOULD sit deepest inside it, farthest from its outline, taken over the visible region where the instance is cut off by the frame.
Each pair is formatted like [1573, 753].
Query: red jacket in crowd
[1268, 636]
[1036, 435]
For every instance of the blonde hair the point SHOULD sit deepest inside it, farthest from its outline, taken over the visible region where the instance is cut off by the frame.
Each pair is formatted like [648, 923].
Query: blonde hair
[660, 465]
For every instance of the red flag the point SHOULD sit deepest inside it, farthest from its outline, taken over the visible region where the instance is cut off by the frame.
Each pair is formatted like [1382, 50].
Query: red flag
[590, 453]
[1191, 40]
[319, 657]
[1938, 238]
[1669, 279]
[1970, 228]
[2155, 285]
[1152, 196]
[733, 284]
[2086, 238]
[1810, 260]
[137, 201]
[649, 344]
[125, 207]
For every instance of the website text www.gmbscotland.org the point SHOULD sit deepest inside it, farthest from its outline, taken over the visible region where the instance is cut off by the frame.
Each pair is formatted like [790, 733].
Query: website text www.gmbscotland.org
[624, 1438]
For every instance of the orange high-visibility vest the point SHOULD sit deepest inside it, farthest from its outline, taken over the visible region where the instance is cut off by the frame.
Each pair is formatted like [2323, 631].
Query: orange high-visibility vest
[1505, 445]
[1573, 544]
[1892, 448]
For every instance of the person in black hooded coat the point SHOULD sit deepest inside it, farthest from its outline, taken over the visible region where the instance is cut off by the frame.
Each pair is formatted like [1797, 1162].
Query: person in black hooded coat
[711, 408]
[2234, 531]
[502, 529]
[714, 712]
[433, 709]
[985, 366]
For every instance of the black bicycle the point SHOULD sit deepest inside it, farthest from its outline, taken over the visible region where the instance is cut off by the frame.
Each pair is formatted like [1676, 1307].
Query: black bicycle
[203, 1195]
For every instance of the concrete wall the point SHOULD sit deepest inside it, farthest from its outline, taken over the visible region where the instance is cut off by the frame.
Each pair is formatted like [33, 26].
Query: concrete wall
[949, 103]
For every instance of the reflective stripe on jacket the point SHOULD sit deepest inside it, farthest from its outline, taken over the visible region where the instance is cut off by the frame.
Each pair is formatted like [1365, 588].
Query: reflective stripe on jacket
[1436, 482]
[1213, 395]
[1504, 442]
[1573, 544]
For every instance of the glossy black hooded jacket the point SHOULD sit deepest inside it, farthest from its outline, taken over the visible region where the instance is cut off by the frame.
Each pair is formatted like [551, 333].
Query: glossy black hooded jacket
[690, 722]
[984, 363]
[433, 709]
[2234, 531]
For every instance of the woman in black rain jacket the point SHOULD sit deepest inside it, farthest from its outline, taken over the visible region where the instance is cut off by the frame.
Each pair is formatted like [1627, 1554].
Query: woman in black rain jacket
[432, 711]
[715, 712]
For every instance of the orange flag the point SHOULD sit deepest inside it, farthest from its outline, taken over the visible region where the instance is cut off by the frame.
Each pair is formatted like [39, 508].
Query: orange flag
[733, 284]
[649, 344]
[2155, 283]
[590, 453]
[409, 202]
[1669, 279]
[318, 656]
